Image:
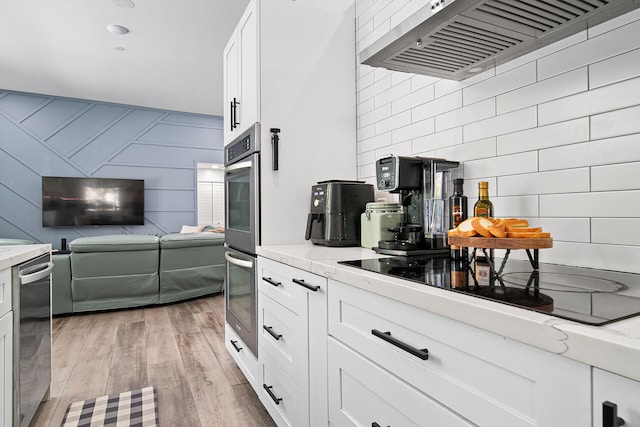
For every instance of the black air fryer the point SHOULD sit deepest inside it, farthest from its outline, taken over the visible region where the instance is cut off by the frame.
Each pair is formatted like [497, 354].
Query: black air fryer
[336, 207]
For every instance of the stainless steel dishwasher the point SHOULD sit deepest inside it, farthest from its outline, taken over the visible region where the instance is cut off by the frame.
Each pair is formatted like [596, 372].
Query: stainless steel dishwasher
[31, 287]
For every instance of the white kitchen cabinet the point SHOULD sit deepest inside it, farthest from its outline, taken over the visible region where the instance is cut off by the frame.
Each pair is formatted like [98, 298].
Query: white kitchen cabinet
[240, 62]
[290, 66]
[472, 374]
[6, 348]
[244, 358]
[292, 344]
[6, 364]
[615, 394]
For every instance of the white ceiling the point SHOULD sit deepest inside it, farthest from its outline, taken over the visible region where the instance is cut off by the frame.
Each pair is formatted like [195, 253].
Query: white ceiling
[172, 57]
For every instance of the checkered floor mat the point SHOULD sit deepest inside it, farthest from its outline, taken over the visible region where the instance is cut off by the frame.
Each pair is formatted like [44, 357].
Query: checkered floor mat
[129, 409]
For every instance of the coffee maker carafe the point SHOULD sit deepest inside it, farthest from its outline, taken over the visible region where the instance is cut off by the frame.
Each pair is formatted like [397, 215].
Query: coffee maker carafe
[424, 185]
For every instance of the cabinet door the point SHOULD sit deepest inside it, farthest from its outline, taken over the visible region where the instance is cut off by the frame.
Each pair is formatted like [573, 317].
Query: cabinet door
[248, 77]
[487, 379]
[614, 393]
[5, 291]
[6, 365]
[231, 92]
[246, 361]
[362, 393]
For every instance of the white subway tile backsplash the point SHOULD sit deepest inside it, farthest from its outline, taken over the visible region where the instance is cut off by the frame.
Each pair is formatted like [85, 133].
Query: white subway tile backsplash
[602, 152]
[414, 130]
[556, 133]
[594, 205]
[562, 181]
[562, 133]
[467, 151]
[375, 116]
[416, 97]
[615, 123]
[437, 140]
[618, 68]
[515, 207]
[565, 229]
[374, 143]
[607, 98]
[606, 257]
[624, 176]
[398, 91]
[616, 231]
[394, 122]
[501, 83]
[438, 106]
[504, 165]
[546, 90]
[605, 45]
[502, 124]
[466, 114]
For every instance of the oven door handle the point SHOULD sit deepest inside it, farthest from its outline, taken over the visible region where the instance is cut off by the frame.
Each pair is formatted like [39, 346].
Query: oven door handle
[35, 273]
[242, 165]
[237, 261]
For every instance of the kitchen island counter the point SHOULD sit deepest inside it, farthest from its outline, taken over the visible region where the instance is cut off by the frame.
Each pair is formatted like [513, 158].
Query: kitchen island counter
[614, 347]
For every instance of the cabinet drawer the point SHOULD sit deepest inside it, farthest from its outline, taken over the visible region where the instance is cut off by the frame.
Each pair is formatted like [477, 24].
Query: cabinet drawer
[361, 393]
[246, 361]
[5, 291]
[286, 340]
[288, 285]
[487, 379]
[616, 390]
[287, 403]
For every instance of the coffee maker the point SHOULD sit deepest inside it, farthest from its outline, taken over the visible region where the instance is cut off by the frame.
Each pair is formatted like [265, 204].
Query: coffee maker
[336, 206]
[424, 185]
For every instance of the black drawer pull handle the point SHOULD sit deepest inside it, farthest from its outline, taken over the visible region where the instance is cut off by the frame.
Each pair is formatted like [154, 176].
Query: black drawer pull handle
[233, 343]
[270, 330]
[306, 285]
[270, 281]
[610, 416]
[386, 336]
[375, 424]
[271, 395]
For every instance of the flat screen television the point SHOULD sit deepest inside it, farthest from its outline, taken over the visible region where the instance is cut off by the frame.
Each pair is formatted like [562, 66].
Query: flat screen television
[85, 201]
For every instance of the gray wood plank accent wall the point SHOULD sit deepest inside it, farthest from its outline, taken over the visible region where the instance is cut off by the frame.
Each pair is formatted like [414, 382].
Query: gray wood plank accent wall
[49, 136]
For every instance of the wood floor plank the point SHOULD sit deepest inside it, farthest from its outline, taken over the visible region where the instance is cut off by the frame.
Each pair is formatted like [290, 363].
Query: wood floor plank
[178, 348]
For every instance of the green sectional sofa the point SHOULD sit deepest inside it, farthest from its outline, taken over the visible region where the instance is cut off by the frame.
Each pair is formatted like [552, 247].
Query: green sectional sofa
[122, 271]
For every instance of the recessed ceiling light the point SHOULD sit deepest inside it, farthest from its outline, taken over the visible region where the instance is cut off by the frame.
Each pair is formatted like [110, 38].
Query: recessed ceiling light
[117, 29]
[119, 48]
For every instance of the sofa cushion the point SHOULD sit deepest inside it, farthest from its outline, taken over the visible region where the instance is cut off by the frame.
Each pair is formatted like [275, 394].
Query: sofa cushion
[117, 243]
[4, 242]
[190, 240]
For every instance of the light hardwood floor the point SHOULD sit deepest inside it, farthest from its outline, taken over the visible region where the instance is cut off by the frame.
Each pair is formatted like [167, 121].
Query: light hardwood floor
[178, 348]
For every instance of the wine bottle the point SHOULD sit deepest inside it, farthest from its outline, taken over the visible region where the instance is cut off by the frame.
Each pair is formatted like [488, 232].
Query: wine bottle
[483, 208]
[457, 214]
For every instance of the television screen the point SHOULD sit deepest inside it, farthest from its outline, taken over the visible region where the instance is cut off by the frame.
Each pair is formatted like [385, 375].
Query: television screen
[80, 202]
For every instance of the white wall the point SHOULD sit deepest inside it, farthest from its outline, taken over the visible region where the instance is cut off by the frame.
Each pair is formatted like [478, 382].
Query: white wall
[556, 133]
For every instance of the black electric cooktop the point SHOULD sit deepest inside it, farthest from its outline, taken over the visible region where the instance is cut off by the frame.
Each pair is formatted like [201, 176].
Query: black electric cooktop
[589, 296]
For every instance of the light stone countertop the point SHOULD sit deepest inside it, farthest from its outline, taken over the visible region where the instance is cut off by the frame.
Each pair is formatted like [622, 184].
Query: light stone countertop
[614, 347]
[11, 255]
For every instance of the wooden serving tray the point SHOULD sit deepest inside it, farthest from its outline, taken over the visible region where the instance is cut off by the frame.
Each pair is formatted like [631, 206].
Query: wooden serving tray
[505, 243]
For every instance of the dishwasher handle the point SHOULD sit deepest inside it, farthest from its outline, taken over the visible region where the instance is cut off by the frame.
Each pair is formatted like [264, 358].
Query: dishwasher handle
[35, 273]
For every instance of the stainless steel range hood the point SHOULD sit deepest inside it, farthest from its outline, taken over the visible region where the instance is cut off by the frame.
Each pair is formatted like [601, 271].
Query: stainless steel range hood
[456, 39]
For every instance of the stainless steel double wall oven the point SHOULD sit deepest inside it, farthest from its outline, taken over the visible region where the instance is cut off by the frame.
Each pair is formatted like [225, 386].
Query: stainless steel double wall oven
[242, 234]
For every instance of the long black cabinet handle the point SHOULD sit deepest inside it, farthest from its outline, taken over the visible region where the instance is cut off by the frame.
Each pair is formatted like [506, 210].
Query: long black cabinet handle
[610, 416]
[306, 285]
[271, 395]
[386, 336]
[270, 330]
[270, 281]
[233, 343]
